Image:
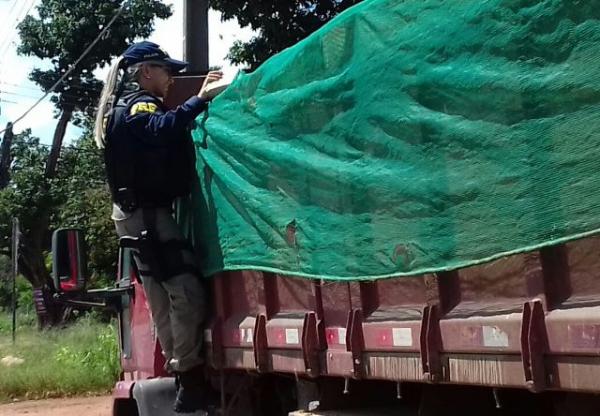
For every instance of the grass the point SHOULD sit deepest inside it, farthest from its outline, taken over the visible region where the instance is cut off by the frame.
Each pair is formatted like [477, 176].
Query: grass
[82, 359]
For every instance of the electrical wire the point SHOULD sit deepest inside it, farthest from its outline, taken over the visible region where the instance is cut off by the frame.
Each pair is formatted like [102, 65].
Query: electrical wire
[74, 65]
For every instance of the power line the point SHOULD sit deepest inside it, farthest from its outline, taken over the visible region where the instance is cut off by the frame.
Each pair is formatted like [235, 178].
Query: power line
[75, 87]
[12, 7]
[20, 16]
[25, 87]
[6, 44]
[74, 65]
[9, 37]
[16, 94]
[63, 94]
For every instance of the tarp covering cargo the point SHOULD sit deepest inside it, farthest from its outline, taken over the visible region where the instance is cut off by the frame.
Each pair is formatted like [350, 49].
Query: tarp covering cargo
[407, 137]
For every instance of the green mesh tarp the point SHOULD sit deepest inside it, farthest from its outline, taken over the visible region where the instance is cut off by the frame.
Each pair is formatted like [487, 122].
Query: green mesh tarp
[407, 137]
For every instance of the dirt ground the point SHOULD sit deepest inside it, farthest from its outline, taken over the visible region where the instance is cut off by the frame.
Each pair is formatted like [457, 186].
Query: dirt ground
[90, 406]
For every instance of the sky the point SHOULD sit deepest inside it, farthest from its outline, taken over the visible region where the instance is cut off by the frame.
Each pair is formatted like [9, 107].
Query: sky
[17, 93]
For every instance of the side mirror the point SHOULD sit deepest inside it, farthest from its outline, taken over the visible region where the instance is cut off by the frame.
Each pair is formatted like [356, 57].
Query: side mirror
[69, 260]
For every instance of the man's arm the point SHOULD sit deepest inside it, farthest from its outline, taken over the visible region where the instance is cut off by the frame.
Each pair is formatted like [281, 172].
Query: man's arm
[153, 126]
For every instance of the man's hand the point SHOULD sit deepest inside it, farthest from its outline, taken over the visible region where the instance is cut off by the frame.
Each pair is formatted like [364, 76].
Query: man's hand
[205, 93]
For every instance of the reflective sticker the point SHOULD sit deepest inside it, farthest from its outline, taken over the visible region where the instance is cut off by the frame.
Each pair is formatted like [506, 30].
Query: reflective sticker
[402, 337]
[104, 124]
[292, 336]
[207, 335]
[143, 108]
[247, 335]
[494, 337]
[342, 336]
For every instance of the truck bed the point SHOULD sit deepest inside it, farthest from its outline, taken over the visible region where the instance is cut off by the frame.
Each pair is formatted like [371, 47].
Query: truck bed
[527, 321]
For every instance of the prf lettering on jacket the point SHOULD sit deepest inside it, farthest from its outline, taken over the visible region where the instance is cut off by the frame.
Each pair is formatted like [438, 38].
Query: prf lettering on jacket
[143, 108]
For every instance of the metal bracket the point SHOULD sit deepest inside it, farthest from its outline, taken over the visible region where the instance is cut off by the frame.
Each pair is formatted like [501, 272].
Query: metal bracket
[430, 343]
[534, 342]
[355, 342]
[217, 352]
[310, 344]
[261, 355]
[97, 298]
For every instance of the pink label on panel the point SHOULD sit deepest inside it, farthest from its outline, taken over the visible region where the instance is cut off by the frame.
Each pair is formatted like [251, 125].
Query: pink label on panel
[471, 336]
[584, 336]
[336, 336]
[385, 338]
[236, 337]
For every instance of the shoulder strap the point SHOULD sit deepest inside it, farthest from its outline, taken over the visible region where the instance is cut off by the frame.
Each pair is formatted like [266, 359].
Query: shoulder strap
[116, 111]
[128, 99]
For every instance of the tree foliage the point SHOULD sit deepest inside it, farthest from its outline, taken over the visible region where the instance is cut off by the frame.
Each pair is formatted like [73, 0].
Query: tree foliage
[77, 197]
[84, 202]
[65, 28]
[279, 23]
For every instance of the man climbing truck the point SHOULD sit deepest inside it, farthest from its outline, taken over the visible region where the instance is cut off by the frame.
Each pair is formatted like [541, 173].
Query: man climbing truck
[399, 215]
[150, 163]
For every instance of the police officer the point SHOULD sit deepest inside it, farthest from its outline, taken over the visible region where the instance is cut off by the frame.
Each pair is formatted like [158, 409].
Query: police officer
[150, 162]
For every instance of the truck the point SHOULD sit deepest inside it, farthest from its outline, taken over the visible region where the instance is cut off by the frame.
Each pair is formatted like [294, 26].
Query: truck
[516, 335]
[515, 332]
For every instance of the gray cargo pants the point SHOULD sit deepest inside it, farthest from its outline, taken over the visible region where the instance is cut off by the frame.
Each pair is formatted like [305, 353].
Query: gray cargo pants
[177, 304]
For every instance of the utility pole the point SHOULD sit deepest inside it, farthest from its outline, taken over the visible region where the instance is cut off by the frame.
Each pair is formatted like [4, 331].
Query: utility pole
[195, 38]
[15, 273]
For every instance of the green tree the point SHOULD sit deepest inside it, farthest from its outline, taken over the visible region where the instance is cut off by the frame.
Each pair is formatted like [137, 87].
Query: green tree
[25, 197]
[280, 24]
[5, 282]
[76, 197]
[83, 200]
[60, 34]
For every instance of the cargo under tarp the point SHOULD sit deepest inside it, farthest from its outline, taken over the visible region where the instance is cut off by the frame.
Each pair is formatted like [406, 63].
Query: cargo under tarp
[407, 137]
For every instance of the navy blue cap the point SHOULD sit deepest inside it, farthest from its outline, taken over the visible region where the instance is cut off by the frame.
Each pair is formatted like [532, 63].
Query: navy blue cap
[150, 51]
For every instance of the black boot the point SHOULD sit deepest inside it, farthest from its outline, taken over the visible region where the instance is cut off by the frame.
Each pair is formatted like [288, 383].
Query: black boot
[191, 392]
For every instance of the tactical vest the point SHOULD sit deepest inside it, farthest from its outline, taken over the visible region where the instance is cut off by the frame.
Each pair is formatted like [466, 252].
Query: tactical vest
[141, 175]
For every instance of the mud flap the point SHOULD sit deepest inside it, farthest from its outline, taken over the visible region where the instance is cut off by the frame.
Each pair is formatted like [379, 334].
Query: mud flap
[155, 397]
